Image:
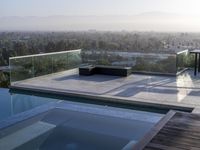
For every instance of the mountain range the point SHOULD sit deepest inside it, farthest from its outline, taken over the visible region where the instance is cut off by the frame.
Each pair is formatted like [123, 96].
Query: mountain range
[148, 21]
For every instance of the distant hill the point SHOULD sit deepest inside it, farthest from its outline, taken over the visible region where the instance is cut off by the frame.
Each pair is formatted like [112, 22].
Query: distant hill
[149, 21]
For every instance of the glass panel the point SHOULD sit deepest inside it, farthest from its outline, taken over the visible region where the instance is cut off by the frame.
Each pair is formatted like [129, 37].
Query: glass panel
[74, 60]
[140, 62]
[42, 65]
[184, 60]
[155, 63]
[30, 66]
[21, 68]
[60, 62]
[90, 57]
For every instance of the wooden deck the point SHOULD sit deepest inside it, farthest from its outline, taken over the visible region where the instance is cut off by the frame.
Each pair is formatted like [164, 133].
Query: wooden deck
[176, 131]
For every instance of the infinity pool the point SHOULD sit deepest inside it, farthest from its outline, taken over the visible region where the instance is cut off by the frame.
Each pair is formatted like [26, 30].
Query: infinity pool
[15, 102]
[12, 103]
[71, 125]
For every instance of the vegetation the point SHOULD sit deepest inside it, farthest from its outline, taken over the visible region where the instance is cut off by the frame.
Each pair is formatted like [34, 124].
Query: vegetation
[23, 43]
[4, 79]
[100, 47]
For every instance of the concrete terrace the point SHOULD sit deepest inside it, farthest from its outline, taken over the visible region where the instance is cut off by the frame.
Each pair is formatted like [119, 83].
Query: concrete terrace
[182, 90]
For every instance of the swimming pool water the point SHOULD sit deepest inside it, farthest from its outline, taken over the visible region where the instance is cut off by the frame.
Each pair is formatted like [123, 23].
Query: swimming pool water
[17, 101]
[78, 126]
[71, 125]
[12, 103]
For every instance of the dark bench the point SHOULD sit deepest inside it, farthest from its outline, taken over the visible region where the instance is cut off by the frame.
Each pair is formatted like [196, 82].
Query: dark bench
[106, 70]
[87, 70]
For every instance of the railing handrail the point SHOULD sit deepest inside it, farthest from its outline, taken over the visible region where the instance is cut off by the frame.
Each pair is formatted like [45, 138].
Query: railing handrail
[182, 51]
[44, 54]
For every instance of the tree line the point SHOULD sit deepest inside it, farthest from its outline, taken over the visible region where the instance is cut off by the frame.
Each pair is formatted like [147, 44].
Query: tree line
[25, 43]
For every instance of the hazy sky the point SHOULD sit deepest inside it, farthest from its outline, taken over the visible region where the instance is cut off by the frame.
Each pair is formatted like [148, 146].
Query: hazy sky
[95, 7]
[179, 15]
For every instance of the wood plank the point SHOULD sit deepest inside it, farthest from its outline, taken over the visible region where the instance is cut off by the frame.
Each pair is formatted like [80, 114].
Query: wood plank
[154, 146]
[180, 132]
[195, 129]
[171, 132]
[176, 140]
[149, 136]
[185, 121]
[187, 116]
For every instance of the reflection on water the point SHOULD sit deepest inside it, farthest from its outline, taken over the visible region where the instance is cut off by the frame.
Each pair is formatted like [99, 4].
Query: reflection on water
[11, 104]
[184, 86]
[80, 126]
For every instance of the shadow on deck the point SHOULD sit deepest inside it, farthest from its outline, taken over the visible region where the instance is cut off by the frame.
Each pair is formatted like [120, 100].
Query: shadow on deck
[182, 90]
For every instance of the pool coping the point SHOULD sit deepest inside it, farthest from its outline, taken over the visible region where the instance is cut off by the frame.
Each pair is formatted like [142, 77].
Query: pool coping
[140, 145]
[108, 98]
[34, 114]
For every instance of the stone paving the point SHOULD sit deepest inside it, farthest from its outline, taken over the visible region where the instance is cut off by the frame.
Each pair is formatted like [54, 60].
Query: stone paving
[183, 90]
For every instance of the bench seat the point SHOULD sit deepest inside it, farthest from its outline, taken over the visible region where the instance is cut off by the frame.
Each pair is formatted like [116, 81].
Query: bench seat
[106, 70]
[87, 70]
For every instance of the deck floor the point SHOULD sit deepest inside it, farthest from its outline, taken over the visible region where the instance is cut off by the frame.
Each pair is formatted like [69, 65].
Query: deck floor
[181, 132]
[178, 91]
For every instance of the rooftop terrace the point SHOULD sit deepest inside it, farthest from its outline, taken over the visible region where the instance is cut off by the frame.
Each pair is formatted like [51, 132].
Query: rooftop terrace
[57, 73]
[181, 91]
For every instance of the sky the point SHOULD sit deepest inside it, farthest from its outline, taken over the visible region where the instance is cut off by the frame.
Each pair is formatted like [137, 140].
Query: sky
[59, 15]
[96, 7]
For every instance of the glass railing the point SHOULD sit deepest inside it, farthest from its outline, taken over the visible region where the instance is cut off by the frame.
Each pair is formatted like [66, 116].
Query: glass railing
[30, 66]
[184, 60]
[155, 63]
